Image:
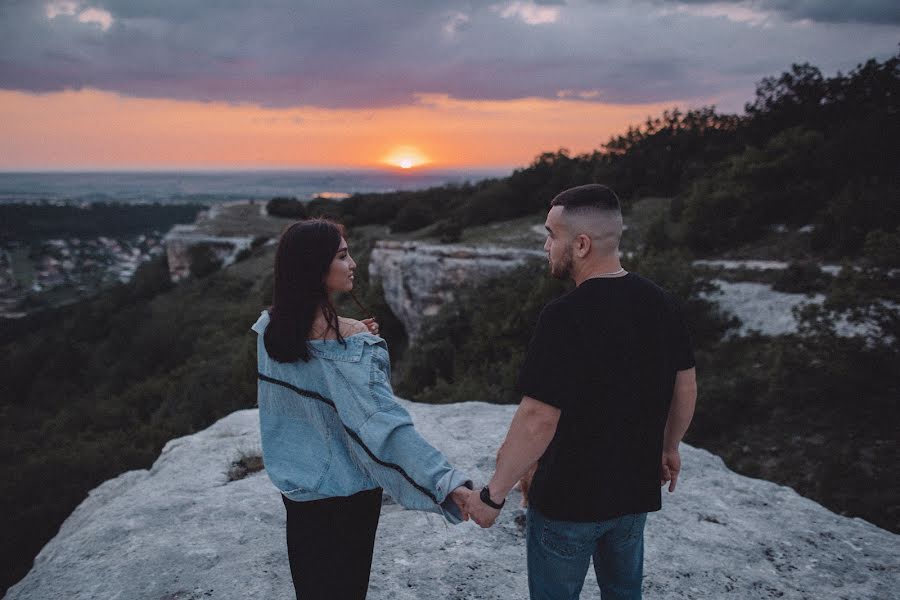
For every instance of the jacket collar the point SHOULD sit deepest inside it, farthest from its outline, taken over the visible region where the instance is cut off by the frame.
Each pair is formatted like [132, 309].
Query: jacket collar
[350, 351]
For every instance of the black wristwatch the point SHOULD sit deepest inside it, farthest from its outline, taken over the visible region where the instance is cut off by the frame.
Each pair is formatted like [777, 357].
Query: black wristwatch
[486, 498]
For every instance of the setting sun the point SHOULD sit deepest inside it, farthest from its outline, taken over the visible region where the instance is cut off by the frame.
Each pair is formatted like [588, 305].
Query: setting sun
[406, 157]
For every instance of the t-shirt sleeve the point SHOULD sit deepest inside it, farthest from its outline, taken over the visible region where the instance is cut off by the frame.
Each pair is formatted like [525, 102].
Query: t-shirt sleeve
[681, 352]
[547, 374]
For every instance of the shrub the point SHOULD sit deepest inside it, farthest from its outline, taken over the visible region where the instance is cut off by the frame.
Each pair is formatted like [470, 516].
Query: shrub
[781, 182]
[258, 241]
[657, 236]
[246, 464]
[449, 231]
[151, 278]
[414, 215]
[289, 208]
[859, 209]
[803, 277]
[203, 260]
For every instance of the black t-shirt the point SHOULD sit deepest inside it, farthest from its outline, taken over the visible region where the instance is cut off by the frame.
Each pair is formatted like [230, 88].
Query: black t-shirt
[606, 355]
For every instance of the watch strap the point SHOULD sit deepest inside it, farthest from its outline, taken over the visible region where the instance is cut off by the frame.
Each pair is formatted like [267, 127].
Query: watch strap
[485, 496]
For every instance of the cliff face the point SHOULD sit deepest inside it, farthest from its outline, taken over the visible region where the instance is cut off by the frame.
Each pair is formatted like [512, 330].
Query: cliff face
[224, 230]
[181, 530]
[182, 238]
[420, 278]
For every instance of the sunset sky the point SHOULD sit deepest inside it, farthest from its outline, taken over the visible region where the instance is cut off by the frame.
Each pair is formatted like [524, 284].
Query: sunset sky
[202, 84]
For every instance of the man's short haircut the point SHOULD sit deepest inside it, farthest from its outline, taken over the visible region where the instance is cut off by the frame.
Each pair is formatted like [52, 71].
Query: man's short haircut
[594, 210]
[591, 196]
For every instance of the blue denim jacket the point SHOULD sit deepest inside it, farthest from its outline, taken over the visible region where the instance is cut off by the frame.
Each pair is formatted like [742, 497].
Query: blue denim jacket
[331, 427]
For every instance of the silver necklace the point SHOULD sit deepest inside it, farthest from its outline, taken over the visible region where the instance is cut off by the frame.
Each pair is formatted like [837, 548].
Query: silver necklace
[610, 274]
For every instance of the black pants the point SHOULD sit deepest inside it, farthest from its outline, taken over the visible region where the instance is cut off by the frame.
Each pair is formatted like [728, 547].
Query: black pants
[330, 544]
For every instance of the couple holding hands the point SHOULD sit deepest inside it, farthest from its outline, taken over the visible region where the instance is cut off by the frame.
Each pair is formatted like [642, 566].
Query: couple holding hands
[608, 390]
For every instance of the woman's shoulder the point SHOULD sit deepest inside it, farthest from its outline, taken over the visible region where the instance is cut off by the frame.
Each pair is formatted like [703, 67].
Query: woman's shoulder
[351, 326]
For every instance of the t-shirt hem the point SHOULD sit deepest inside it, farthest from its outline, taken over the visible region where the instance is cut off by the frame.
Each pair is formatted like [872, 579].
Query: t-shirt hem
[558, 514]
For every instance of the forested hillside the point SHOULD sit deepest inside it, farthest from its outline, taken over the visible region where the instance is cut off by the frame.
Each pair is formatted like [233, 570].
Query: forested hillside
[810, 150]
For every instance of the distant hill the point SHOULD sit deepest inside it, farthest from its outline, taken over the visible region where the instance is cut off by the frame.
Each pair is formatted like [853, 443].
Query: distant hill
[36, 220]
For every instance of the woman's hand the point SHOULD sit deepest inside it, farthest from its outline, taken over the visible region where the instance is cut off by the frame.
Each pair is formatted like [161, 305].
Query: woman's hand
[460, 497]
[371, 324]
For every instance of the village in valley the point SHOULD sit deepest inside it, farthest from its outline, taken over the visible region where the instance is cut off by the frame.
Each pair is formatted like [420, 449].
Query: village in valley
[55, 272]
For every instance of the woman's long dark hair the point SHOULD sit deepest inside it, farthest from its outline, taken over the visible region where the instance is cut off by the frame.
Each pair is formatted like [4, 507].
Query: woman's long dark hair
[302, 261]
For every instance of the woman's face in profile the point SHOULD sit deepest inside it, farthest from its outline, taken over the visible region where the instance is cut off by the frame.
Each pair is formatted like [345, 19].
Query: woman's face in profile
[340, 274]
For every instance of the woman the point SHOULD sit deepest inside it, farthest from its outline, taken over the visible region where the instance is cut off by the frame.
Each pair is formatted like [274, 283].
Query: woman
[333, 435]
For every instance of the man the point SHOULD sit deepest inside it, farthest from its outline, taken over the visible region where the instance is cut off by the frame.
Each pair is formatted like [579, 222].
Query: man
[609, 389]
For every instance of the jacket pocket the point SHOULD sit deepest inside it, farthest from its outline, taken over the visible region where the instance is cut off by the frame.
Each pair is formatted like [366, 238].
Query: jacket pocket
[297, 450]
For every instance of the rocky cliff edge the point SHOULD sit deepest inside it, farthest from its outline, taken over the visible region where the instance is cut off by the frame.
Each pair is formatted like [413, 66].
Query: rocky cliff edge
[182, 531]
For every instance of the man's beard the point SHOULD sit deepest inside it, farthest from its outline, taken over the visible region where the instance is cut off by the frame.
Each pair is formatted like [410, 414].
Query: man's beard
[563, 268]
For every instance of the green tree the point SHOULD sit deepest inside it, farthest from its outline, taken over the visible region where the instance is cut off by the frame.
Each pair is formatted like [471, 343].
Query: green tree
[203, 260]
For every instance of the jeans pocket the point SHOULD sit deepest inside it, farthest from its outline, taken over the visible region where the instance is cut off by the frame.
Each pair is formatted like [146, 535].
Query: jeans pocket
[567, 540]
[633, 527]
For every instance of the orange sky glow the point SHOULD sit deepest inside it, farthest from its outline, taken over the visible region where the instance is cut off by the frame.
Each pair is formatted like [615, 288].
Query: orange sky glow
[92, 129]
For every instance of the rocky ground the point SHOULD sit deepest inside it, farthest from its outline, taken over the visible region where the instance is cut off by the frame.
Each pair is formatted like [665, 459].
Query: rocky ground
[181, 530]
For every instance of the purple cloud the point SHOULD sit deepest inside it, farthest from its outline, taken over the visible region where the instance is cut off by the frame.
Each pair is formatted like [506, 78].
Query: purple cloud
[349, 54]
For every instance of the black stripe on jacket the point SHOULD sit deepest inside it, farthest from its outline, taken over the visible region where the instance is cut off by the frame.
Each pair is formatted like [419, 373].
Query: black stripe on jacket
[350, 432]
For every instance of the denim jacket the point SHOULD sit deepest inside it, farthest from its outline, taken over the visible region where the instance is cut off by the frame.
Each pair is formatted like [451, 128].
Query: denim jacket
[331, 427]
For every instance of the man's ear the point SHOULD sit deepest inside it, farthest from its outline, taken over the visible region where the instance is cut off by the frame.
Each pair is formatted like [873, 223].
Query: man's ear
[582, 246]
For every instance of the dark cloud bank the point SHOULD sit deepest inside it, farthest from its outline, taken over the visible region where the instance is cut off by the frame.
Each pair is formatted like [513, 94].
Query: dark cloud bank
[349, 54]
[823, 11]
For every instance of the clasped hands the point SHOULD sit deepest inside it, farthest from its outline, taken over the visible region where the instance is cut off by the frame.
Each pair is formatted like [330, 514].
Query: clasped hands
[471, 506]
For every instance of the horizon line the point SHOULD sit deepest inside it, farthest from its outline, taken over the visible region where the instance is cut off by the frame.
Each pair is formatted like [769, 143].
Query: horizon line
[390, 170]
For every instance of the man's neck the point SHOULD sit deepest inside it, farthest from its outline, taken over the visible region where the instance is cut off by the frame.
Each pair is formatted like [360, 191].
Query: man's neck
[606, 268]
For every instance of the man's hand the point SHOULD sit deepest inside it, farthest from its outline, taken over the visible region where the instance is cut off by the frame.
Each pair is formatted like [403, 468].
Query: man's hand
[371, 324]
[681, 411]
[480, 512]
[525, 484]
[671, 466]
[460, 497]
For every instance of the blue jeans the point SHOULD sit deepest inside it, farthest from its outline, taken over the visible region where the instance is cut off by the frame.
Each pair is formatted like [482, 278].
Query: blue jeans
[559, 553]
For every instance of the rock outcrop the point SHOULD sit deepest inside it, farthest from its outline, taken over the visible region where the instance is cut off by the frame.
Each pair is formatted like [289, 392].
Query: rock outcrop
[223, 231]
[181, 531]
[181, 238]
[420, 278]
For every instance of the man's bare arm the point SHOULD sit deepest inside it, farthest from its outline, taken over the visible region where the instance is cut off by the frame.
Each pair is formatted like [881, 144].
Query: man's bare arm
[530, 432]
[681, 411]
[532, 428]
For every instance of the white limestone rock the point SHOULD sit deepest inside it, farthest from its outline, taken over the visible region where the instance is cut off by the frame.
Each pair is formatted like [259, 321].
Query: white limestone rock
[181, 531]
[420, 278]
[760, 265]
[759, 307]
[769, 312]
[181, 238]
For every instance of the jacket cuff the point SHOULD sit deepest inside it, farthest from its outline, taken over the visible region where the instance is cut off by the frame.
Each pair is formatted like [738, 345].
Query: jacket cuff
[446, 484]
